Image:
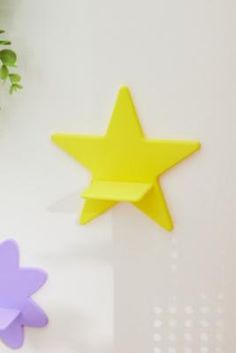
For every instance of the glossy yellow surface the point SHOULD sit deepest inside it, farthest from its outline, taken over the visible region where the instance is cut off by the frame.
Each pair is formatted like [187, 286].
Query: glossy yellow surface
[124, 165]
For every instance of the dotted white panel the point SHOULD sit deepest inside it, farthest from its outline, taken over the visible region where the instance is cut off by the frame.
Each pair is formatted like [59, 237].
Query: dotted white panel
[189, 328]
[169, 293]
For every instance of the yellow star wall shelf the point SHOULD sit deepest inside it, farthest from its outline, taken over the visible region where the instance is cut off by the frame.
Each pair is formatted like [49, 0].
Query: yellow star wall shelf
[124, 165]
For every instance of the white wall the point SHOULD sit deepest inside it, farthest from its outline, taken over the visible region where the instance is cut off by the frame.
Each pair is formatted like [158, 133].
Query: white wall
[177, 58]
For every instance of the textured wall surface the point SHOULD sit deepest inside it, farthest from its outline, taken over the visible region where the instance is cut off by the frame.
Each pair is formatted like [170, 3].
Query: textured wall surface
[121, 284]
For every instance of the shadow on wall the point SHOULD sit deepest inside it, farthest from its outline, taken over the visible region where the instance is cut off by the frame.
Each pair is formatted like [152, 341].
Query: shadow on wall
[68, 204]
[101, 251]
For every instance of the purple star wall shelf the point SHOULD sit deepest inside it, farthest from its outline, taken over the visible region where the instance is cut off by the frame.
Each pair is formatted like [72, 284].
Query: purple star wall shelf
[17, 285]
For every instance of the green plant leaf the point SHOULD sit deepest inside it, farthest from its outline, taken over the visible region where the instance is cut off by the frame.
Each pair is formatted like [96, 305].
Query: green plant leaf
[14, 78]
[8, 57]
[14, 87]
[5, 42]
[18, 86]
[4, 72]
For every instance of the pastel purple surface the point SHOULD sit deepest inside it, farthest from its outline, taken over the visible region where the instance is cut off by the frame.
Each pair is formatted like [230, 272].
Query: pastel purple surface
[17, 309]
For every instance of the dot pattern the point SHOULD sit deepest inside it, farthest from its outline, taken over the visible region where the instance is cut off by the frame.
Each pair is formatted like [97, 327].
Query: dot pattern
[189, 328]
